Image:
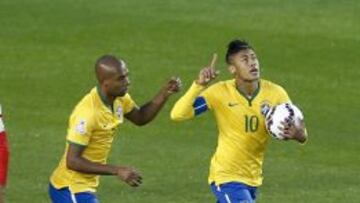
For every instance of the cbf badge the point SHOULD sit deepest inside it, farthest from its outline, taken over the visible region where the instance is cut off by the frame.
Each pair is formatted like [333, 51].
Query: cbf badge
[81, 127]
[119, 113]
[265, 107]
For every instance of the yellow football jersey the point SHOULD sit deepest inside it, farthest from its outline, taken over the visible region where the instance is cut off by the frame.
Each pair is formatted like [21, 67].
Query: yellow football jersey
[242, 136]
[92, 124]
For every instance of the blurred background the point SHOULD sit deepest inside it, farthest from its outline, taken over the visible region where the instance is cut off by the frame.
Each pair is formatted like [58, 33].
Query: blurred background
[310, 47]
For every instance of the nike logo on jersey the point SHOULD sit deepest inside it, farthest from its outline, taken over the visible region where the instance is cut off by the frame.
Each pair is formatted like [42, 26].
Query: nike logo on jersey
[231, 104]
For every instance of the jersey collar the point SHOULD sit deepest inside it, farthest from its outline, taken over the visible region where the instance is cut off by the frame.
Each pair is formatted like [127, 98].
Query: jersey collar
[103, 98]
[252, 97]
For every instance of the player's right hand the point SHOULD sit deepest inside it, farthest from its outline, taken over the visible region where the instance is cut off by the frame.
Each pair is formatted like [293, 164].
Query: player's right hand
[208, 74]
[129, 175]
[172, 86]
[292, 131]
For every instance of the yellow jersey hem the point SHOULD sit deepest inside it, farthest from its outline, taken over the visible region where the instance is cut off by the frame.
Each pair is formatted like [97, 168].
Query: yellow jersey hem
[71, 188]
[244, 181]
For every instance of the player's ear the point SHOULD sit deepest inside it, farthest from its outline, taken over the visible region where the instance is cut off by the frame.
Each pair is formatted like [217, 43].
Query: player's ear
[106, 83]
[231, 69]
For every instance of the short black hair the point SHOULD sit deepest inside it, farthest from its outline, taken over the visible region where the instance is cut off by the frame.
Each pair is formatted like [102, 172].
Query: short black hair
[236, 46]
[103, 64]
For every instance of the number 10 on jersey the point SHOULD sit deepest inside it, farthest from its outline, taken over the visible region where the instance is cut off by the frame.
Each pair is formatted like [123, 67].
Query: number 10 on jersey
[251, 123]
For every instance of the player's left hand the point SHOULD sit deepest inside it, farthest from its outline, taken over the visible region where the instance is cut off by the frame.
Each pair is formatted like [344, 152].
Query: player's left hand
[292, 131]
[172, 86]
[129, 175]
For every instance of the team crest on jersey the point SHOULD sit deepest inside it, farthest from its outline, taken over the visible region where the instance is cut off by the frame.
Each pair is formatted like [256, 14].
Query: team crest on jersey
[265, 107]
[119, 112]
[81, 127]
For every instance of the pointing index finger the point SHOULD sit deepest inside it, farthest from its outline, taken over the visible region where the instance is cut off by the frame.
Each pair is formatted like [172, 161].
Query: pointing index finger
[213, 61]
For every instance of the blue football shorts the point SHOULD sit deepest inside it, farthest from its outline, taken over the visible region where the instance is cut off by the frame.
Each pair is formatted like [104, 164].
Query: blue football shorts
[64, 195]
[234, 192]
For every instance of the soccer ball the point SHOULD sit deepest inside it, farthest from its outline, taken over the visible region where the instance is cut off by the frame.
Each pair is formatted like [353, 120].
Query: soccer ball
[281, 113]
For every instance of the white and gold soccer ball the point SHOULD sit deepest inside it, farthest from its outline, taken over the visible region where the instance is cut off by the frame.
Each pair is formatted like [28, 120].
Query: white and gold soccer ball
[281, 113]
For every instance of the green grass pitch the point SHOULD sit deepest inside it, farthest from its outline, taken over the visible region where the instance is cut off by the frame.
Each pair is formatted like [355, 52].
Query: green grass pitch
[311, 47]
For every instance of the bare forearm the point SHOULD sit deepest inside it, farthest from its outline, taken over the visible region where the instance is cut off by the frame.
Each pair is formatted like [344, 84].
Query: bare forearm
[149, 110]
[83, 165]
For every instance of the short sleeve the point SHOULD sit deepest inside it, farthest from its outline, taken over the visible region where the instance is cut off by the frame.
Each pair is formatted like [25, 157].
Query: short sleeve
[128, 103]
[81, 126]
[282, 96]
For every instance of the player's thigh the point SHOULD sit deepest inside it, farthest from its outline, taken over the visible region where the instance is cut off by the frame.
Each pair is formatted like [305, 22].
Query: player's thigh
[60, 195]
[234, 192]
[65, 196]
[216, 192]
[86, 197]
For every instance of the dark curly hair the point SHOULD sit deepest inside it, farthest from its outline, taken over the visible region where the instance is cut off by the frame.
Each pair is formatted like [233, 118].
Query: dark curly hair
[236, 46]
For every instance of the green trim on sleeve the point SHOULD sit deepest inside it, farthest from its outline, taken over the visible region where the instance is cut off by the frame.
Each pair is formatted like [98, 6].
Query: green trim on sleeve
[75, 143]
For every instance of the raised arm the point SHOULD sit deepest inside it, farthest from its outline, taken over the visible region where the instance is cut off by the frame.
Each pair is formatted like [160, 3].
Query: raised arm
[148, 111]
[184, 108]
[191, 103]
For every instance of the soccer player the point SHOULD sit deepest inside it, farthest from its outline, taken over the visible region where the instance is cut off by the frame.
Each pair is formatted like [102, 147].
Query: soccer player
[236, 166]
[4, 157]
[91, 130]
